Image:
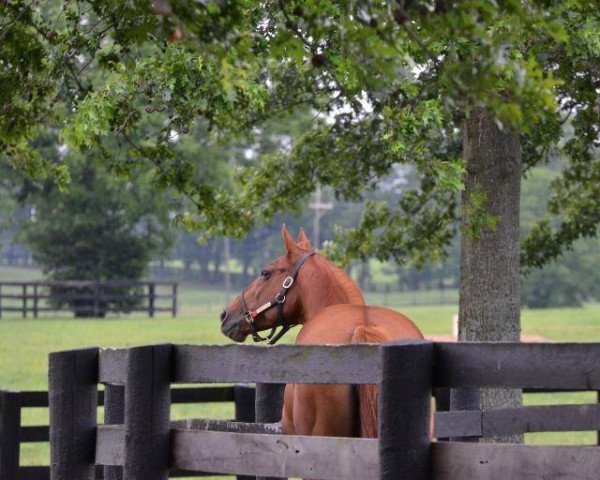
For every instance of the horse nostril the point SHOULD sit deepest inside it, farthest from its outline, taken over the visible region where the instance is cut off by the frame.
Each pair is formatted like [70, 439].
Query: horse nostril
[223, 315]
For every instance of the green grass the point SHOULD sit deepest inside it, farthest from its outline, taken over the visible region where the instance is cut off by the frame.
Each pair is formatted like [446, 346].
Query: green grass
[25, 344]
[18, 274]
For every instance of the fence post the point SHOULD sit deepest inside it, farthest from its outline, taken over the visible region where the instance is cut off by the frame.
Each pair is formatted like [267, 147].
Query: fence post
[404, 409]
[35, 301]
[245, 399]
[114, 414]
[174, 307]
[464, 399]
[0, 301]
[147, 405]
[10, 425]
[269, 406]
[24, 301]
[73, 400]
[269, 402]
[151, 299]
[96, 294]
[598, 432]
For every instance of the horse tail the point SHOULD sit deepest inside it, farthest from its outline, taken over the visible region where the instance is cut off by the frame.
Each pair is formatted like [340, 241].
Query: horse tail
[367, 394]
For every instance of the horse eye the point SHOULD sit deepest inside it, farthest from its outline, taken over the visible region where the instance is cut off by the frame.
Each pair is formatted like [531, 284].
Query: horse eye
[265, 273]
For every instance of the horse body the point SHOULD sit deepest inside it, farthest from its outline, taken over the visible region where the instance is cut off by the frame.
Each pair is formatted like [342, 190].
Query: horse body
[331, 310]
[331, 410]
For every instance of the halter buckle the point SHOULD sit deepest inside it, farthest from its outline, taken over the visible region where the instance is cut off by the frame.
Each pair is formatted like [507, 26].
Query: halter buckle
[280, 298]
[287, 283]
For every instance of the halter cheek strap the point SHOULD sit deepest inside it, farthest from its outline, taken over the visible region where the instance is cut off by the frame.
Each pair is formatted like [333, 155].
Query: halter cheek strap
[278, 301]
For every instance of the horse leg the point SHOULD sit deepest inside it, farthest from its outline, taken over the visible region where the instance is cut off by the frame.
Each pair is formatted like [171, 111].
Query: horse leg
[322, 410]
[287, 416]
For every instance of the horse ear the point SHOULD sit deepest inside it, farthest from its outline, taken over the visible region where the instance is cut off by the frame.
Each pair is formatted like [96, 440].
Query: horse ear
[303, 241]
[288, 241]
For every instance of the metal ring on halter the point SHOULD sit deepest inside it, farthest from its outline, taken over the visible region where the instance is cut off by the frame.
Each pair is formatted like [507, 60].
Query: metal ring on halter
[287, 283]
[280, 298]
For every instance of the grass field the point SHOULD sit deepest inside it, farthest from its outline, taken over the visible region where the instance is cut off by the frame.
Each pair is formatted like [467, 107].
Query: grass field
[25, 344]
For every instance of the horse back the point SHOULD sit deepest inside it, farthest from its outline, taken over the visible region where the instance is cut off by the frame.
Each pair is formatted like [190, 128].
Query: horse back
[337, 324]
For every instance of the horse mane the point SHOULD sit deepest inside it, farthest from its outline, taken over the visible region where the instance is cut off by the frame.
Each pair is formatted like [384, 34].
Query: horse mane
[346, 283]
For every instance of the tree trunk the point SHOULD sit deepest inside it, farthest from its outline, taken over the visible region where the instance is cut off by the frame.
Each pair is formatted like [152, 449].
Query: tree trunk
[217, 252]
[364, 275]
[187, 269]
[226, 273]
[489, 303]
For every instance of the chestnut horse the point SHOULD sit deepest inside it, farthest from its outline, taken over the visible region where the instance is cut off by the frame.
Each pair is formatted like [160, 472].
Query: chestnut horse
[303, 288]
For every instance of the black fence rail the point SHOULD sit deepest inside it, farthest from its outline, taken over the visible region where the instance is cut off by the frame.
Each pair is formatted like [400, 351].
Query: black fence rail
[13, 434]
[88, 298]
[145, 444]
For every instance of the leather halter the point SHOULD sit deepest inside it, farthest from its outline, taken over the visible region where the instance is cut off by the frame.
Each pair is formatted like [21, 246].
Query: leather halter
[278, 301]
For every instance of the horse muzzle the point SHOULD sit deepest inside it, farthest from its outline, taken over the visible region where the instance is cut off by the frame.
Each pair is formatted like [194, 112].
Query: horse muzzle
[235, 330]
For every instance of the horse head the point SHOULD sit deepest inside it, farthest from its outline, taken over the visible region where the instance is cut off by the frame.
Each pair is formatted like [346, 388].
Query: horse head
[270, 301]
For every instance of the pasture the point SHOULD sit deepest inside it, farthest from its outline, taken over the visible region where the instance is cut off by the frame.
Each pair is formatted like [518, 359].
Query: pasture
[25, 344]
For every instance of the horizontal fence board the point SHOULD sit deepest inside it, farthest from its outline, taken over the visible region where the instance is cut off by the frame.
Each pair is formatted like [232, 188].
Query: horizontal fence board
[560, 366]
[87, 283]
[111, 438]
[34, 473]
[34, 399]
[110, 447]
[178, 395]
[458, 423]
[276, 455]
[550, 418]
[490, 423]
[178, 473]
[37, 433]
[279, 364]
[43, 473]
[85, 296]
[226, 426]
[553, 390]
[258, 454]
[482, 461]
[202, 394]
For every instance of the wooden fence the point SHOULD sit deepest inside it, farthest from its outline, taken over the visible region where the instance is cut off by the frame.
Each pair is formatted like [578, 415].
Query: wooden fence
[147, 445]
[13, 434]
[88, 298]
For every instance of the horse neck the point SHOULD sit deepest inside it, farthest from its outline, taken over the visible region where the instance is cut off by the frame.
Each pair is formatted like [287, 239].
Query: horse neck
[327, 285]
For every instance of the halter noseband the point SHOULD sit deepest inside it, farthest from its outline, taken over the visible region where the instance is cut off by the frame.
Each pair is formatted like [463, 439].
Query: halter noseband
[278, 301]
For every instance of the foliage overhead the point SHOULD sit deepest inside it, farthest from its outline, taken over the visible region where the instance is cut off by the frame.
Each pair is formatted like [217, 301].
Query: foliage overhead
[387, 83]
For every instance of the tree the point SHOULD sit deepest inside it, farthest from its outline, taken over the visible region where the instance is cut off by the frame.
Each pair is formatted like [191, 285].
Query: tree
[389, 82]
[571, 279]
[100, 228]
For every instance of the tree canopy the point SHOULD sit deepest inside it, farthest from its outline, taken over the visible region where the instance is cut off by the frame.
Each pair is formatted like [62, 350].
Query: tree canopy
[387, 83]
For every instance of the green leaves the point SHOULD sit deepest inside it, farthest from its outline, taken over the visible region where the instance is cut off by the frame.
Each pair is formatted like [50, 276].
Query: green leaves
[99, 228]
[476, 219]
[176, 86]
[377, 86]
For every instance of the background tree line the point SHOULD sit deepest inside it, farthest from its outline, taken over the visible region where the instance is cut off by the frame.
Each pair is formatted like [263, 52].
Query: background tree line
[123, 225]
